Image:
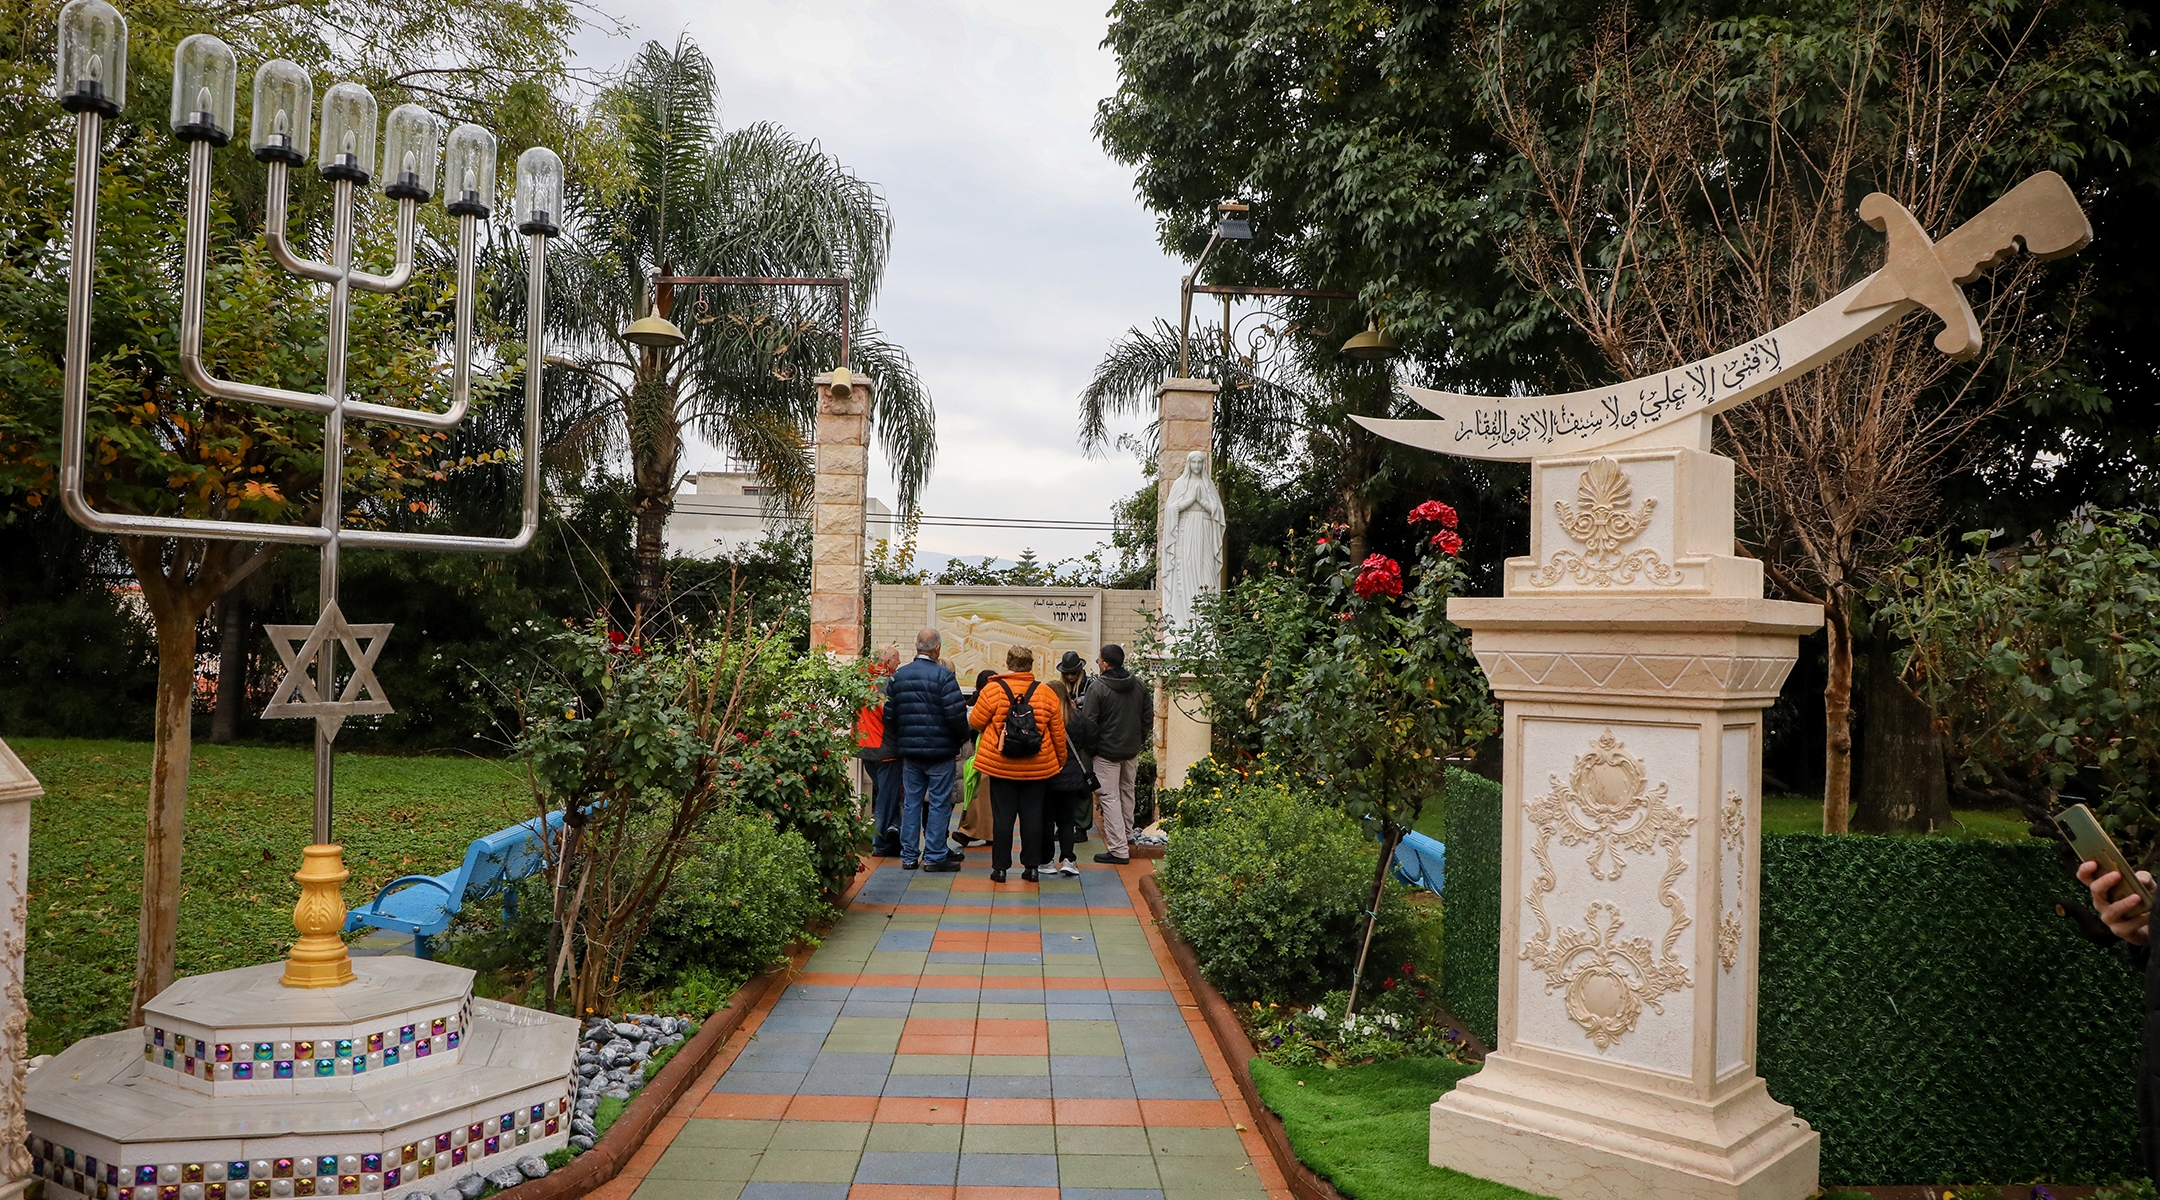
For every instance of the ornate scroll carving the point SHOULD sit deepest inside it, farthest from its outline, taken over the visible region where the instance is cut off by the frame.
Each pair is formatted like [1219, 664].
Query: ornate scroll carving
[1733, 820]
[1604, 521]
[1607, 980]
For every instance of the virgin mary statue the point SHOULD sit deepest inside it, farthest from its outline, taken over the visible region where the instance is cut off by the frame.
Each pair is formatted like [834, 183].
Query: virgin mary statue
[1192, 551]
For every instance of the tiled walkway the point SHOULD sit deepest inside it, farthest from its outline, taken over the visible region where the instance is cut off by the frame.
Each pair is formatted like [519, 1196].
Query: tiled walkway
[955, 1039]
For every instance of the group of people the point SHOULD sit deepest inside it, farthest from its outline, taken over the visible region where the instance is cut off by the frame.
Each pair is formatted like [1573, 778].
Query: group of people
[1041, 751]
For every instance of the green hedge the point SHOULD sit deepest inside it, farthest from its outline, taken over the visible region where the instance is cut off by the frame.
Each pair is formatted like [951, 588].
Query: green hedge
[1271, 894]
[1470, 961]
[1929, 1014]
[1922, 1006]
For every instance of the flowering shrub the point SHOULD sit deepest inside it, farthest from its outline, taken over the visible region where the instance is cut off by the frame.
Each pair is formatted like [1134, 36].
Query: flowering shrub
[1379, 576]
[1345, 674]
[1397, 1019]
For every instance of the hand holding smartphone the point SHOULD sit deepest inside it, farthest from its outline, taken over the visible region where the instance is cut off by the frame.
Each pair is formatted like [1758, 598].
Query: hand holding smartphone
[2093, 844]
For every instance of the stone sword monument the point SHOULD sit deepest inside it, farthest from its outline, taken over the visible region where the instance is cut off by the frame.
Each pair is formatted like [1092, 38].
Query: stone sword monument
[1634, 654]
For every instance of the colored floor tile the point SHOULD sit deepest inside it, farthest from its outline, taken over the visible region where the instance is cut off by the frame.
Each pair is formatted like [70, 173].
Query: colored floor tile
[955, 1039]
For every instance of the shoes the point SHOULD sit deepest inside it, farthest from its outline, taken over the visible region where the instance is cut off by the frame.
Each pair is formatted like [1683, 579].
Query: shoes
[955, 856]
[1029, 874]
[997, 876]
[947, 865]
[1067, 868]
[907, 866]
[1115, 860]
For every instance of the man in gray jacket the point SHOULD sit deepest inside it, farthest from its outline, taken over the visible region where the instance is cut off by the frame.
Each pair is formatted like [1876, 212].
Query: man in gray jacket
[1121, 708]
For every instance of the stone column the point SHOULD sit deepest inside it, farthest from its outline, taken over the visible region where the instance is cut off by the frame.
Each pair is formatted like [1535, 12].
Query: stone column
[1186, 410]
[836, 531]
[17, 789]
[1634, 655]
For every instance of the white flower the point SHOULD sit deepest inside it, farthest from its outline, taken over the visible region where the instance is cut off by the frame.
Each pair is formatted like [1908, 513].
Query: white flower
[1317, 1013]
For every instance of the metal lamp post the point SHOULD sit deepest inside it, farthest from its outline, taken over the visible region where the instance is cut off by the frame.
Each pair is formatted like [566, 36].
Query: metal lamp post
[92, 81]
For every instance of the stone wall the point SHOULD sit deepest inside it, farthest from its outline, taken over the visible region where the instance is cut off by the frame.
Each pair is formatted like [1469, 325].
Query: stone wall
[897, 611]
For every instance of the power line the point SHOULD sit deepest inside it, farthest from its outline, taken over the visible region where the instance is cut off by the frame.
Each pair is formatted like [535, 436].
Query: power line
[945, 520]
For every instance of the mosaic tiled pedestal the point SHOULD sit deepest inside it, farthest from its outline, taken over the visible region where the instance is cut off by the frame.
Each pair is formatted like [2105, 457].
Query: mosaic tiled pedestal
[238, 1088]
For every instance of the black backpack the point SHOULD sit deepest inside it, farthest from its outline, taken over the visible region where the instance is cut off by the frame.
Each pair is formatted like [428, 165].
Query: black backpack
[1023, 738]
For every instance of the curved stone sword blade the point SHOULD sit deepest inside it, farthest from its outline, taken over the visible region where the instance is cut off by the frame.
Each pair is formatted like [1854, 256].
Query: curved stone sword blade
[2040, 215]
[1526, 427]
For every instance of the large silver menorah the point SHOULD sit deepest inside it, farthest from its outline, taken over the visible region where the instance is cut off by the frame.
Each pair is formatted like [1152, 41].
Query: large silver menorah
[92, 81]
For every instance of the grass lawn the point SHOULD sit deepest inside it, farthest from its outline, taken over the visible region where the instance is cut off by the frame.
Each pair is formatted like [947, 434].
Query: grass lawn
[1366, 1128]
[250, 810]
[1803, 814]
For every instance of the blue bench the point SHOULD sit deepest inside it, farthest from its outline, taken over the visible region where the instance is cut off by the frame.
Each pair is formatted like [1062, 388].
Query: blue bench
[423, 905]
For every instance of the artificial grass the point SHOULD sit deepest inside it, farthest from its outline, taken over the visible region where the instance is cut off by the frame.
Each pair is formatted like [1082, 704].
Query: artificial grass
[250, 810]
[1366, 1129]
[1803, 814]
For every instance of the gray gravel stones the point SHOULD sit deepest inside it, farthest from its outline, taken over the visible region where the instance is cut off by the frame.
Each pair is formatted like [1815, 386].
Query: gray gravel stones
[532, 1166]
[611, 1059]
[506, 1176]
[471, 1186]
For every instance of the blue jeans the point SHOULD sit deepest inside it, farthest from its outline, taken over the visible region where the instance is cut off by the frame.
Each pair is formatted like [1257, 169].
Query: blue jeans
[885, 806]
[926, 810]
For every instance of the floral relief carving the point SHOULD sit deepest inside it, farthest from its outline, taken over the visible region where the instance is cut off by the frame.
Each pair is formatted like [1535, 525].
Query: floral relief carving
[1604, 520]
[1607, 980]
[1733, 819]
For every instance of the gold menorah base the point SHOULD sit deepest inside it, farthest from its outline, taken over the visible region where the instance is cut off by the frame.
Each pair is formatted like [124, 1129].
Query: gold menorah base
[319, 959]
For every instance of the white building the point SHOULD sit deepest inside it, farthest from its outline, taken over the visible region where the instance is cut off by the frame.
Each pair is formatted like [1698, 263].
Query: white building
[728, 512]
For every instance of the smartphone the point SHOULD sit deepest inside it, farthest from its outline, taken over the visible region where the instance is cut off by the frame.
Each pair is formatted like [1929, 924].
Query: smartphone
[2093, 844]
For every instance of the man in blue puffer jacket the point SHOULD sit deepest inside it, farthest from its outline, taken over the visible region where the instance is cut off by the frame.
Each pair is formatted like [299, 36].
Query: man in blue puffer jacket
[926, 721]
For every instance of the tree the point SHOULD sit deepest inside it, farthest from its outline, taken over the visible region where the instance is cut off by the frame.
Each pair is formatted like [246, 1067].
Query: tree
[693, 198]
[2040, 659]
[1370, 140]
[1684, 186]
[156, 447]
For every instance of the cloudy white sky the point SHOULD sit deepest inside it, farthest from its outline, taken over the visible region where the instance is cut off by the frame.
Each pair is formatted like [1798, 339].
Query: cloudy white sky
[1020, 251]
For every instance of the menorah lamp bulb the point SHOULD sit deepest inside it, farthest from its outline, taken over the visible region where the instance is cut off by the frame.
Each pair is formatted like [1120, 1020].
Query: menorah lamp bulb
[203, 100]
[472, 181]
[281, 126]
[97, 69]
[350, 146]
[411, 164]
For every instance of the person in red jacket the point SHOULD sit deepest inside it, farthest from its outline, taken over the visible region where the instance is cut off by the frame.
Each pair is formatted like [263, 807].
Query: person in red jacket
[1018, 782]
[881, 760]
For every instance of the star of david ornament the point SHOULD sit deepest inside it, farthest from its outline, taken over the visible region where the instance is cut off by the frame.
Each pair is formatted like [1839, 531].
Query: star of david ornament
[305, 689]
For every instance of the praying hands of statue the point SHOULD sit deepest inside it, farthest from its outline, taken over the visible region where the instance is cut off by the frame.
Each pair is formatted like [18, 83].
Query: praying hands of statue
[2125, 917]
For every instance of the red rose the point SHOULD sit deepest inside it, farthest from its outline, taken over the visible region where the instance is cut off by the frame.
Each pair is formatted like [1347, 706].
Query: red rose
[1379, 575]
[1448, 540]
[1433, 512]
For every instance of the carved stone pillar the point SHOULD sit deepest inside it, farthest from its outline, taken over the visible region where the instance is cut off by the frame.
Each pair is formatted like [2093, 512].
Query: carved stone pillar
[836, 531]
[1633, 654]
[1186, 409]
[18, 787]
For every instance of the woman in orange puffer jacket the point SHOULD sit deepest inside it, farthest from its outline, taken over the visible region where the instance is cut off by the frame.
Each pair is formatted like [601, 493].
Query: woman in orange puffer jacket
[1018, 786]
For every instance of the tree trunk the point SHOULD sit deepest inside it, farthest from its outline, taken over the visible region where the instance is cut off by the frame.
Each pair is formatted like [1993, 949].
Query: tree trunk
[158, 931]
[1837, 718]
[1901, 785]
[177, 596]
[655, 453]
[232, 666]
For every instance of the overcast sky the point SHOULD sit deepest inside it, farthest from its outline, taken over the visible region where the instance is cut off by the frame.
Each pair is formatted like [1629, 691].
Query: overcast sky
[1019, 250]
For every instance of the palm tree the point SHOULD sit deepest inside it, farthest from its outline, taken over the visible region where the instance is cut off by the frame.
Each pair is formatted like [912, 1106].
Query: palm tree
[1284, 402]
[687, 197]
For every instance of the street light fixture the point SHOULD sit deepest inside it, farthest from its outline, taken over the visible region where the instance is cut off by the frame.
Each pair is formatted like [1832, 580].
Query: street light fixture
[1234, 225]
[1372, 343]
